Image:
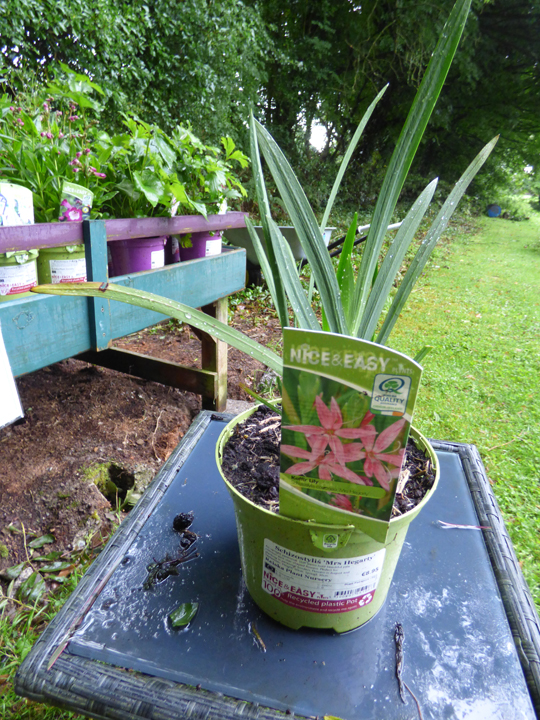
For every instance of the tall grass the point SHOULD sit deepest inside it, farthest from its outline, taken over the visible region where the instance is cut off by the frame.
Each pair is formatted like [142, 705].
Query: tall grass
[21, 624]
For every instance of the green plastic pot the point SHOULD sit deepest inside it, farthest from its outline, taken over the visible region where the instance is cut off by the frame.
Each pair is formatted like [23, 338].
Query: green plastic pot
[334, 567]
[18, 273]
[62, 264]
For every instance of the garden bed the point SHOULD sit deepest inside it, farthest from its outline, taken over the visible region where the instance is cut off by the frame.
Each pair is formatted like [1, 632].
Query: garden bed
[79, 418]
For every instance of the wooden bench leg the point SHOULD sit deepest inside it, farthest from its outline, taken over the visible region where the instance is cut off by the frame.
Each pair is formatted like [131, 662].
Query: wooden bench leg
[210, 382]
[214, 358]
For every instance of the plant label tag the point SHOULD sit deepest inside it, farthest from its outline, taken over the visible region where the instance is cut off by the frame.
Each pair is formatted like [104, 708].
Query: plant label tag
[320, 585]
[16, 205]
[347, 410]
[390, 394]
[10, 406]
[76, 203]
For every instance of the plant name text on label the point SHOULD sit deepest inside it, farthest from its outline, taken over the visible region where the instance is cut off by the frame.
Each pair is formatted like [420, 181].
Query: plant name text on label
[320, 584]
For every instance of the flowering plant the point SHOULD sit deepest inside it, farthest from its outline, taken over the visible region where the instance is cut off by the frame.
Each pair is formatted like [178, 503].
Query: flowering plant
[157, 174]
[52, 134]
[46, 136]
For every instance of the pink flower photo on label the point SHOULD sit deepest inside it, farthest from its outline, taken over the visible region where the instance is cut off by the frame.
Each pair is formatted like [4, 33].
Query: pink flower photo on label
[331, 430]
[375, 459]
[330, 452]
[326, 463]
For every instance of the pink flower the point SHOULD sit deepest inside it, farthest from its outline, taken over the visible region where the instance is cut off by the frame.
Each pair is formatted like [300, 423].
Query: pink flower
[86, 151]
[49, 135]
[95, 172]
[42, 134]
[60, 135]
[343, 502]
[78, 154]
[373, 454]
[330, 430]
[12, 108]
[326, 464]
[73, 214]
[72, 118]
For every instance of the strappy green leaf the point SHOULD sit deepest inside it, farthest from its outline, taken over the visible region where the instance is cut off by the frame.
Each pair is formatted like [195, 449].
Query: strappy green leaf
[405, 151]
[171, 308]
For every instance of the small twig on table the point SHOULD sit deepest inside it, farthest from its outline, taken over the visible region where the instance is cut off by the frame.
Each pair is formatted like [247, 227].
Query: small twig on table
[160, 570]
[399, 636]
[257, 638]
[415, 700]
[453, 526]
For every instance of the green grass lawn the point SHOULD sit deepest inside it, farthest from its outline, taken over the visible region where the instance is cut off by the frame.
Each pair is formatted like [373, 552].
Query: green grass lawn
[479, 306]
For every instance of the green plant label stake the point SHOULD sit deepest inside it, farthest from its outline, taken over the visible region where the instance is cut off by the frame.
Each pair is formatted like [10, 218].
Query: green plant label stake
[76, 203]
[347, 410]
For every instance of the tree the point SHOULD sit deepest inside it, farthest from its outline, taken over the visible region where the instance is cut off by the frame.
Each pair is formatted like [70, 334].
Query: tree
[300, 62]
[495, 88]
[330, 58]
[172, 61]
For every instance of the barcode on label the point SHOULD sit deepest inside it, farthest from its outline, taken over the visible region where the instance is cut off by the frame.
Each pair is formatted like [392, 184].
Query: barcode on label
[356, 591]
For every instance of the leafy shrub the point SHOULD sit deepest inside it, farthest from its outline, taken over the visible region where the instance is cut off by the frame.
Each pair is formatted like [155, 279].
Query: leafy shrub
[49, 134]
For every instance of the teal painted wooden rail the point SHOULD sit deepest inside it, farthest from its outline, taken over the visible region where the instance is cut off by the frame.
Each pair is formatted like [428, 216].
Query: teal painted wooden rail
[41, 330]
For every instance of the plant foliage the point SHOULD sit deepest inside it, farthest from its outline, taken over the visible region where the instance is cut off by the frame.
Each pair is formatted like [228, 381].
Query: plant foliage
[51, 134]
[350, 306]
[170, 61]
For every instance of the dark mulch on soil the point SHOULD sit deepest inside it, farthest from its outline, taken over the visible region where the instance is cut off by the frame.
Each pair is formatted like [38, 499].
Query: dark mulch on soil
[251, 465]
[251, 458]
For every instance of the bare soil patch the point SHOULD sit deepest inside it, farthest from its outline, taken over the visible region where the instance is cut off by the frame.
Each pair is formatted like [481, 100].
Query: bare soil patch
[79, 416]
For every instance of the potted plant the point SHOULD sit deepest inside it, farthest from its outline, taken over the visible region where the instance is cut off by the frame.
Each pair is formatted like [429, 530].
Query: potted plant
[51, 136]
[162, 175]
[47, 136]
[210, 184]
[355, 313]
